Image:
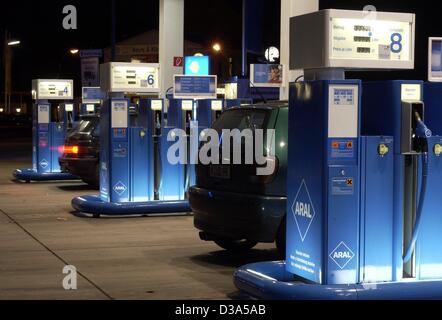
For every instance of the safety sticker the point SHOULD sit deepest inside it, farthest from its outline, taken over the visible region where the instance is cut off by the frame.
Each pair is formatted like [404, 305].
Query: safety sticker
[343, 186]
[342, 149]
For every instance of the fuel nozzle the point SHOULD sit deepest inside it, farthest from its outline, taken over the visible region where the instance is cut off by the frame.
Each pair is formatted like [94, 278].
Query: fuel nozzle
[422, 133]
[422, 130]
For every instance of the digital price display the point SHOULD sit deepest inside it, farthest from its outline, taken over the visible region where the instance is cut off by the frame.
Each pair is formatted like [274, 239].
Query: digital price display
[124, 77]
[135, 78]
[370, 39]
[195, 87]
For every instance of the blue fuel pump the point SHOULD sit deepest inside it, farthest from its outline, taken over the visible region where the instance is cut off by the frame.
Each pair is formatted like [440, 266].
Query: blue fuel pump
[363, 214]
[51, 121]
[136, 177]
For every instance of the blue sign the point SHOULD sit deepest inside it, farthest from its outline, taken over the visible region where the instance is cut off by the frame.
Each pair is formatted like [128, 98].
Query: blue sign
[266, 75]
[196, 66]
[195, 87]
[92, 94]
[94, 53]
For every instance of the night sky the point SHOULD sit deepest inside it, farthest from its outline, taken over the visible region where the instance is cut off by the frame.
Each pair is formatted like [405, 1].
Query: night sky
[44, 51]
[45, 44]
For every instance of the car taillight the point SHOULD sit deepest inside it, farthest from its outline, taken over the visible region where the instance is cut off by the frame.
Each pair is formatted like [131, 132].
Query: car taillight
[70, 150]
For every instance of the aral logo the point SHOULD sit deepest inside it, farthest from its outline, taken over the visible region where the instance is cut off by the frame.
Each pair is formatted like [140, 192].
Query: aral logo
[120, 188]
[342, 255]
[44, 163]
[303, 211]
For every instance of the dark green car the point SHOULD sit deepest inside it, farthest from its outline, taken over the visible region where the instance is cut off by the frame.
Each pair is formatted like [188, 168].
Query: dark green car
[233, 206]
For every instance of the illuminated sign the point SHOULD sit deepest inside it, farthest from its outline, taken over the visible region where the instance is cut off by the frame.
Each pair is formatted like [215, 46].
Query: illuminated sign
[53, 89]
[370, 39]
[435, 60]
[130, 77]
[352, 40]
[196, 66]
[195, 87]
[266, 75]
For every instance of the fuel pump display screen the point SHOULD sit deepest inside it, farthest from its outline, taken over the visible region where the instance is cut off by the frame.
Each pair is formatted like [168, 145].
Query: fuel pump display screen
[370, 39]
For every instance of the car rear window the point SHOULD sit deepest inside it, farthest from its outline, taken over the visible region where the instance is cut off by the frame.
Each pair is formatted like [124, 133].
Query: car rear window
[242, 119]
[87, 125]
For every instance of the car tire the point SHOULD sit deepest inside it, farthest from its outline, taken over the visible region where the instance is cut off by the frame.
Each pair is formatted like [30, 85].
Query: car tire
[281, 238]
[236, 245]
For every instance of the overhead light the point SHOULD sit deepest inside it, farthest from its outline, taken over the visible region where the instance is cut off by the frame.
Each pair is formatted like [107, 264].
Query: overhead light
[14, 43]
[18, 110]
[198, 55]
[217, 47]
[74, 51]
[2, 110]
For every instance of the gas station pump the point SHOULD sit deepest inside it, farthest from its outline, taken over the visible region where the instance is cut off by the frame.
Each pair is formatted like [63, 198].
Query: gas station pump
[362, 176]
[53, 116]
[208, 111]
[133, 171]
[92, 97]
[176, 178]
[238, 93]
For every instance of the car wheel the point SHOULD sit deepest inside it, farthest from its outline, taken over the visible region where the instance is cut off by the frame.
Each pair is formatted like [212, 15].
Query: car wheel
[281, 239]
[236, 245]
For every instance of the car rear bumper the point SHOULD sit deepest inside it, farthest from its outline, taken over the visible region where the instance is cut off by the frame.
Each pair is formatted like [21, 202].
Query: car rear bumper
[237, 216]
[84, 168]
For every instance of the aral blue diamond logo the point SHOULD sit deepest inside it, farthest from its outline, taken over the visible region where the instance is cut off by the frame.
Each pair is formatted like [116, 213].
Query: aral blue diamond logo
[342, 255]
[303, 210]
[120, 188]
[44, 163]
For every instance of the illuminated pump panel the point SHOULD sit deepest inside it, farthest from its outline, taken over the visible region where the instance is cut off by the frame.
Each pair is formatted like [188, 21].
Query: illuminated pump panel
[352, 40]
[55, 89]
[231, 91]
[195, 87]
[435, 60]
[123, 77]
[92, 95]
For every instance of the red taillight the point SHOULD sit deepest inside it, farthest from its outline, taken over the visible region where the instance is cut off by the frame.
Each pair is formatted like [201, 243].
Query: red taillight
[70, 149]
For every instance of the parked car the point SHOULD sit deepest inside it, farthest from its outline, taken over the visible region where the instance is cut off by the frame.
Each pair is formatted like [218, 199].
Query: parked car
[82, 150]
[233, 206]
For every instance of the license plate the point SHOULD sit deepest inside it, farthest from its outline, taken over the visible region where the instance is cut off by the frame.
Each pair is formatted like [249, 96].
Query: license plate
[220, 172]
